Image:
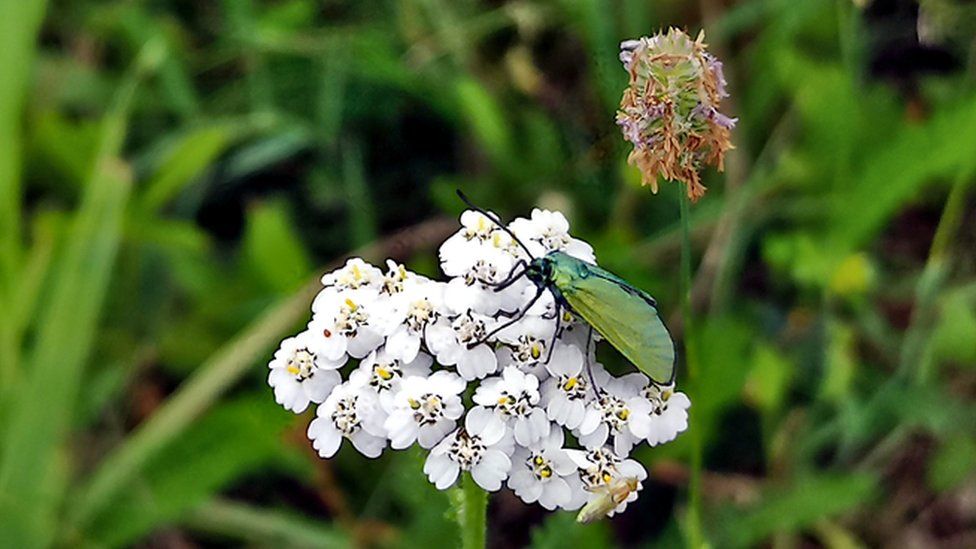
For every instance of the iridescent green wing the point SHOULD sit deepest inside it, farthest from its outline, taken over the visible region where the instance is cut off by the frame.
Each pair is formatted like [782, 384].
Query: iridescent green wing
[624, 315]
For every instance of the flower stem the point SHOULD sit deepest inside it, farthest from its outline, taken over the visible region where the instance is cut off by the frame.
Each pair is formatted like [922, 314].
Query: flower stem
[695, 537]
[471, 507]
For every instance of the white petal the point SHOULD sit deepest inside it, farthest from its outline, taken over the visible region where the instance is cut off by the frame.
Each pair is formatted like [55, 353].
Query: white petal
[402, 430]
[622, 443]
[403, 345]
[574, 415]
[519, 481]
[639, 424]
[491, 470]
[566, 360]
[289, 393]
[529, 490]
[365, 341]
[477, 419]
[477, 363]
[368, 445]
[441, 470]
[430, 435]
[523, 431]
[325, 437]
[332, 347]
[322, 382]
[554, 493]
[591, 420]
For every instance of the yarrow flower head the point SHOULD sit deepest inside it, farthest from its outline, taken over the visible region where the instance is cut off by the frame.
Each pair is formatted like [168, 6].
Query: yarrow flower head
[473, 374]
[670, 109]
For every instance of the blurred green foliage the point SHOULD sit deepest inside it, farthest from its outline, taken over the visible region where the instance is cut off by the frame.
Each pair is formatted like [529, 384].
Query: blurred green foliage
[174, 175]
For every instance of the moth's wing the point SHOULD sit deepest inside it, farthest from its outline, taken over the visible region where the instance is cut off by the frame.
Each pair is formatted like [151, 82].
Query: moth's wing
[624, 315]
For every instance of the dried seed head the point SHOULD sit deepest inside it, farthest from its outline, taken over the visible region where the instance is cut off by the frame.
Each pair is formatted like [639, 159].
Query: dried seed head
[669, 111]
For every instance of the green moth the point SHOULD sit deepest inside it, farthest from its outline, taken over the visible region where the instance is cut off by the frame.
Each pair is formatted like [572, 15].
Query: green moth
[624, 315]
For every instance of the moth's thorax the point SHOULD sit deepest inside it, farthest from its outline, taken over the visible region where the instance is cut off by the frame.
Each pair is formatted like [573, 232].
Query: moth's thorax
[539, 271]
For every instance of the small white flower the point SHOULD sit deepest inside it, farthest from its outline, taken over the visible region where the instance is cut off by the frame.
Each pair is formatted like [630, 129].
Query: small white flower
[481, 447]
[398, 279]
[601, 468]
[384, 373]
[566, 393]
[619, 410]
[449, 339]
[300, 376]
[355, 274]
[475, 270]
[513, 399]
[424, 409]
[669, 412]
[548, 231]
[353, 412]
[543, 472]
[345, 322]
[527, 345]
[475, 229]
[411, 311]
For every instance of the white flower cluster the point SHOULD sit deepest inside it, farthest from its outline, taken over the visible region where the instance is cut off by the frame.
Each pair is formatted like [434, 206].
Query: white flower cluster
[434, 369]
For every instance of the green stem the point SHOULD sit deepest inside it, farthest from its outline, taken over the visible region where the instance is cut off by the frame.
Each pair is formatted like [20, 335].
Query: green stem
[471, 507]
[695, 536]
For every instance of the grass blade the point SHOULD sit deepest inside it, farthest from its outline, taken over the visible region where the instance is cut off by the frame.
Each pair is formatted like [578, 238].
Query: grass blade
[29, 472]
[261, 526]
[19, 26]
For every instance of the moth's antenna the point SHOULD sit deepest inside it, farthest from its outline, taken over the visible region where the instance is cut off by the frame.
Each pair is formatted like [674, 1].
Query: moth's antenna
[495, 219]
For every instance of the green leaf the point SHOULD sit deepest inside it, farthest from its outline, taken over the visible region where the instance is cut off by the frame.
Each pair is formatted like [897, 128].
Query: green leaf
[795, 508]
[841, 362]
[956, 330]
[272, 248]
[725, 351]
[895, 174]
[184, 161]
[770, 378]
[954, 462]
[487, 120]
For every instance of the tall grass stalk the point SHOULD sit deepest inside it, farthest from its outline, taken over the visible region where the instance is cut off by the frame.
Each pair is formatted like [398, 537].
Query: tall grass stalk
[695, 536]
[19, 26]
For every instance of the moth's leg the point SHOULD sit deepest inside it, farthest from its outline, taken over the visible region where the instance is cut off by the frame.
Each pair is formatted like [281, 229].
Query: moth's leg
[518, 316]
[508, 314]
[513, 276]
[555, 333]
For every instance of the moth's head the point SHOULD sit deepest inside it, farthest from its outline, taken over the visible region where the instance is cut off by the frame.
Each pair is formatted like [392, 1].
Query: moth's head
[539, 270]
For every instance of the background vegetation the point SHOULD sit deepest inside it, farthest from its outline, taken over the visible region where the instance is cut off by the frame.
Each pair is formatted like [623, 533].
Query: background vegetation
[174, 175]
